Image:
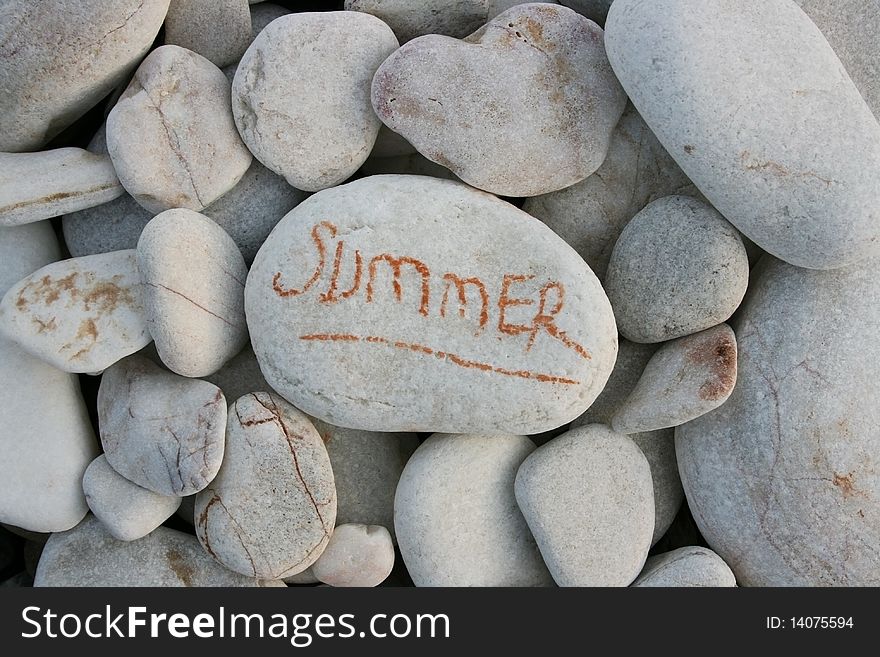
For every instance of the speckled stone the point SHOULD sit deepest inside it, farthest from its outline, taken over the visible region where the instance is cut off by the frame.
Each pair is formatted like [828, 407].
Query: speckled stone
[522, 107]
[357, 555]
[678, 267]
[476, 536]
[219, 30]
[783, 145]
[313, 140]
[686, 567]
[587, 498]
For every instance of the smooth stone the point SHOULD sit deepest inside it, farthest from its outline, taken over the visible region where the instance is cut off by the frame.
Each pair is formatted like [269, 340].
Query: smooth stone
[79, 315]
[171, 135]
[45, 446]
[314, 141]
[240, 375]
[357, 555]
[782, 478]
[37, 186]
[303, 578]
[455, 516]
[250, 210]
[367, 467]
[851, 28]
[685, 379]
[161, 431]
[686, 567]
[88, 555]
[524, 106]
[591, 214]
[193, 276]
[272, 507]
[263, 15]
[529, 332]
[657, 446]
[678, 267]
[218, 30]
[128, 511]
[587, 498]
[58, 63]
[413, 18]
[595, 10]
[783, 145]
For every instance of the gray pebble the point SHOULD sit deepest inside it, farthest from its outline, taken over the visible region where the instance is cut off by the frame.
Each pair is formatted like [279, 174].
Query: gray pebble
[686, 567]
[219, 30]
[677, 268]
[357, 555]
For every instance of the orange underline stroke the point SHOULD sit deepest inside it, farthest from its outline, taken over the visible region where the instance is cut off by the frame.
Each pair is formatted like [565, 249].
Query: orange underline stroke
[442, 355]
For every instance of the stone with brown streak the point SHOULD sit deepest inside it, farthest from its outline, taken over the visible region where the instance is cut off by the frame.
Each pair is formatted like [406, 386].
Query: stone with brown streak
[161, 431]
[685, 379]
[272, 508]
[193, 276]
[171, 135]
[59, 60]
[36, 186]
[782, 479]
[524, 106]
[88, 555]
[79, 315]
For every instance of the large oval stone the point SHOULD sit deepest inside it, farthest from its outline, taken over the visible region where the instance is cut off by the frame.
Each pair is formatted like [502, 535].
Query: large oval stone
[407, 303]
[757, 109]
[782, 479]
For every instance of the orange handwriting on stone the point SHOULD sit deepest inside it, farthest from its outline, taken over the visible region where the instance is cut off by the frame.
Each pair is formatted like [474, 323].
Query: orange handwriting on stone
[545, 320]
[330, 295]
[441, 355]
[460, 285]
[280, 290]
[396, 264]
[505, 301]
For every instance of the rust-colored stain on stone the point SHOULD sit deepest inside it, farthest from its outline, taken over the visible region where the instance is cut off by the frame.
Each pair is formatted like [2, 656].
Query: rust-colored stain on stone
[107, 296]
[720, 356]
[846, 484]
[181, 568]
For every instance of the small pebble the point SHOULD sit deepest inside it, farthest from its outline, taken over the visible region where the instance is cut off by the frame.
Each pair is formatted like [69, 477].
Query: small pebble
[357, 555]
[218, 30]
[686, 567]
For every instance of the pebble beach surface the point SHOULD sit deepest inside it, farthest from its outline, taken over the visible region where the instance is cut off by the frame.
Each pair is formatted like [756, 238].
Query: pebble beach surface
[480, 293]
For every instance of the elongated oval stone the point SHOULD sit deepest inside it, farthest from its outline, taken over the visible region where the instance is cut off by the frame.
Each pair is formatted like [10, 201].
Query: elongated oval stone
[272, 507]
[407, 303]
[756, 108]
[782, 479]
[79, 315]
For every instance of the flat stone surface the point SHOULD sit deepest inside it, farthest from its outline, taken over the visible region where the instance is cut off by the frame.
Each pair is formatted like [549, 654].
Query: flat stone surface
[45, 446]
[782, 478]
[524, 106]
[414, 308]
[686, 567]
[272, 508]
[366, 467]
[88, 555]
[193, 276]
[59, 63]
[79, 315]
[685, 379]
[357, 555]
[783, 145]
[161, 431]
[678, 267]
[591, 214]
[587, 498]
[219, 30]
[476, 536]
[171, 135]
[36, 186]
[128, 511]
[314, 140]
[657, 446]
